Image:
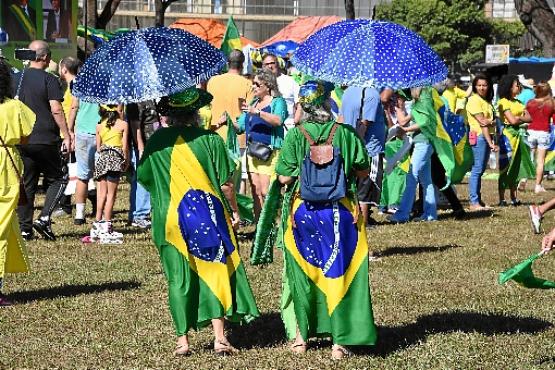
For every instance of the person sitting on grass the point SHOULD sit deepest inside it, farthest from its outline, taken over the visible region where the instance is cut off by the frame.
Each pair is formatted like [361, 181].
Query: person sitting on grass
[112, 159]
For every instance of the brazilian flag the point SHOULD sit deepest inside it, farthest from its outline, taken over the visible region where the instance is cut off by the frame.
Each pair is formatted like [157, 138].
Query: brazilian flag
[393, 185]
[515, 162]
[183, 169]
[326, 257]
[232, 38]
[425, 111]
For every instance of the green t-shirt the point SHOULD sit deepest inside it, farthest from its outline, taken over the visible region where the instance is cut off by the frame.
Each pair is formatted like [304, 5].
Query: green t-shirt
[295, 148]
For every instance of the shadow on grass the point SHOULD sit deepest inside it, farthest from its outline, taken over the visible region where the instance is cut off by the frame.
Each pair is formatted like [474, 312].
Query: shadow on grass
[393, 339]
[488, 213]
[264, 332]
[72, 290]
[414, 250]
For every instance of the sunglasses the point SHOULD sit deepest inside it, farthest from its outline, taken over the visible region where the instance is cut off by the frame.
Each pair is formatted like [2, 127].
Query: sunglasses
[269, 63]
[257, 84]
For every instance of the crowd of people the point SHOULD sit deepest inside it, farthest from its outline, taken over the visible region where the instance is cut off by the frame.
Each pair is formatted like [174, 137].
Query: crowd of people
[328, 150]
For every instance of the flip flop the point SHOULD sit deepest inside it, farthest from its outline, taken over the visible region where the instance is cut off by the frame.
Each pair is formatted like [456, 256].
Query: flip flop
[224, 348]
[339, 352]
[298, 348]
[182, 350]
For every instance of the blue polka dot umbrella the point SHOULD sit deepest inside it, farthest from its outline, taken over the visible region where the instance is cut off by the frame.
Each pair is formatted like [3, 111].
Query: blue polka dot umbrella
[368, 53]
[146, 64]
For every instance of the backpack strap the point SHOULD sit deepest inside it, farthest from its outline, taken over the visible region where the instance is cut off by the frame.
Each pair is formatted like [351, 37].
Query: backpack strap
[332, 133]
[307, 136]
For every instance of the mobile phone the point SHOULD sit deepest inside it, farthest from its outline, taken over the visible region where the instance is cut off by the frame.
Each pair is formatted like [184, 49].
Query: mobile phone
[25, 54]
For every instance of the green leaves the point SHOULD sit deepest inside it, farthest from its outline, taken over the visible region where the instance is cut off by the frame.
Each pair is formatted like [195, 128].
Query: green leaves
[457, 30]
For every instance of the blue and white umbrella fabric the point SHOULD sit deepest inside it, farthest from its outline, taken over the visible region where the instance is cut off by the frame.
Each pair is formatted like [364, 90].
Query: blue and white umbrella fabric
[146, 64]
[281, 48]
[364, 53]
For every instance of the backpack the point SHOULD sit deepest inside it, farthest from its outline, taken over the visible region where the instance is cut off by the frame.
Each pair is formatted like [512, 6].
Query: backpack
[322, 174]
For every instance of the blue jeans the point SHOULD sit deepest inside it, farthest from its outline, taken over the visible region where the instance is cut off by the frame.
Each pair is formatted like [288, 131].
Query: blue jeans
[138, 196]
[481, 153]
[85, 150]
[420, 172]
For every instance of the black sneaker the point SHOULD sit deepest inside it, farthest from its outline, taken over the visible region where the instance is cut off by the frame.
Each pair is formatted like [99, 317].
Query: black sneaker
[27, 235]
[79, 221]
[44, 229]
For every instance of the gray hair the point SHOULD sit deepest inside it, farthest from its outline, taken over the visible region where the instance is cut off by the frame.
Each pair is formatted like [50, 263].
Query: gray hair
[183, 119]
[270, 81]
[318, 114]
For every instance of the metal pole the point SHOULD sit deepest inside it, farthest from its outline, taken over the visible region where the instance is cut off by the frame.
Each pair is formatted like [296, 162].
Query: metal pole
[86, 25]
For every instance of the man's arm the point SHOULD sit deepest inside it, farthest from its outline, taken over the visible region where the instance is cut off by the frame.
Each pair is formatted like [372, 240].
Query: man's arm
[60, 119]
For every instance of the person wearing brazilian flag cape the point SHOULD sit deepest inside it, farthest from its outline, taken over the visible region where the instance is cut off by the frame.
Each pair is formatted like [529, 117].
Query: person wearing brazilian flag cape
[326, 290]
[187, 172]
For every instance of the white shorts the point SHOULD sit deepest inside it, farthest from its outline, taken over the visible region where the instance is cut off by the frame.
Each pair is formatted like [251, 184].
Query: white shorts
[539, 139]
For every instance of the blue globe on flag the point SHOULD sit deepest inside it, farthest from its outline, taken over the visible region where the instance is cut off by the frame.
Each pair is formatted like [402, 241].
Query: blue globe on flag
[4, 38]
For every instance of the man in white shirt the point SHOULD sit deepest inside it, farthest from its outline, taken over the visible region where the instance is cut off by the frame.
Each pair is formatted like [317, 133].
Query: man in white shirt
[288, 88]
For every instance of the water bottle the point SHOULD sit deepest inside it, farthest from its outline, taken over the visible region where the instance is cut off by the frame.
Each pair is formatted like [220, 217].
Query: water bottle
[3, 38]
[492, 162]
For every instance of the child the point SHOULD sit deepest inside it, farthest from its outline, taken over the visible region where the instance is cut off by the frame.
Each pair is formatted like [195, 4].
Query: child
[112, 159]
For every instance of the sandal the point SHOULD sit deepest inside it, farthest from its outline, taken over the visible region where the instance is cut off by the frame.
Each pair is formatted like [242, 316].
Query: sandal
[182, 350]
[223, 348]
[299, 348]
[339, 352]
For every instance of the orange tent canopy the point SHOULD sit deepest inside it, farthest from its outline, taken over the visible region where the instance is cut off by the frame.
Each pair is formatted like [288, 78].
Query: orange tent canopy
[301, 28]
[210, 30]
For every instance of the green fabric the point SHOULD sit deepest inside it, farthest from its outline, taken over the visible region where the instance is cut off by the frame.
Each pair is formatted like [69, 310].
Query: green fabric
[393, 185]
[521, 165]
[232, 142]
[522, 274]
[278, 106]
[232, 38]
[351, 323]
[153, 169]
[192, 302]
[267, 227]
[245, 204]
[427, 119]
[287, 306]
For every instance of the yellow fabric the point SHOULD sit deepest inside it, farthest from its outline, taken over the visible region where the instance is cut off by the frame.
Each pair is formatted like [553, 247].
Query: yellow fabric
[183, 164]
[255, 165]
[514, 106]
[205, 114]
[474, 106]
[66, 104]
[453, 95]
[227, 88]
[16, 122]
[111, 136]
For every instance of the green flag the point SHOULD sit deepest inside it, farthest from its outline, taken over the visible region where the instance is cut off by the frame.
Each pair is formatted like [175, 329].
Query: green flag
[232, 38]
[425, 113]
[523, 274]
[393, 185]
[267, 227]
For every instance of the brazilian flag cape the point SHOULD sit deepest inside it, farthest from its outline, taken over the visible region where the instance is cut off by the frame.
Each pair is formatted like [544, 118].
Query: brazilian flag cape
[425, 112]
[515, 162]
[24, 20]
[183, 169]
[393, 185]
[324, 244]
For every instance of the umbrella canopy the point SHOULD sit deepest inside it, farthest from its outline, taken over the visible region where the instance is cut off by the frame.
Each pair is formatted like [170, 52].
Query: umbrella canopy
[281, 48]
[146, 64]
[367, 53]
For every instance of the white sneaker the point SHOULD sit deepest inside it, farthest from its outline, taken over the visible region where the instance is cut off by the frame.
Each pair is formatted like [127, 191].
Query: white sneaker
[535, 218]
[522, 185]
[141, 223]
[111, 238]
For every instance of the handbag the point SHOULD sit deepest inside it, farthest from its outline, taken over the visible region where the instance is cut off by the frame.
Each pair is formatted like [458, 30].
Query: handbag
[259, 150]
[22, 194]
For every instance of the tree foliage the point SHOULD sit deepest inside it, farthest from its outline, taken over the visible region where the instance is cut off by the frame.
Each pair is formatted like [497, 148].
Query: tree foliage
[457, 30]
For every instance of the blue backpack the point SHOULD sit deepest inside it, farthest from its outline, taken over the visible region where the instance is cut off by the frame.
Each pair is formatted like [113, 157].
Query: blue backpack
[322, 174]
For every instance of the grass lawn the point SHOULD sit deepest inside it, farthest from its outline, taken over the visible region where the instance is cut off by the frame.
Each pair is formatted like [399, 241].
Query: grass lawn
[436, 301]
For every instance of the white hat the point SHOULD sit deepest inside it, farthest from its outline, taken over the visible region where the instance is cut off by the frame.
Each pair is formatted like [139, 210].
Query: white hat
[526, 82]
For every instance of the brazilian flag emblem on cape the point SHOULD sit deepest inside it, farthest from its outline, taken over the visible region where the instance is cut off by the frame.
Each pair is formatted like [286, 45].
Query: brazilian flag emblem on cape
[191, 214]
[327, 269]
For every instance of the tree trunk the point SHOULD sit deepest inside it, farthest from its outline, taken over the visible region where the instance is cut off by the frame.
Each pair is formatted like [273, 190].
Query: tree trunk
[107, 13]
[539, 19]
[91, 15]
[349, 9]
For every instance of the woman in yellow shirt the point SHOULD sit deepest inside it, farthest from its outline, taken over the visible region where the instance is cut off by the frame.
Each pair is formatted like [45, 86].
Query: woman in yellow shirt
[16, 123]
[480, 118]
[514, 156]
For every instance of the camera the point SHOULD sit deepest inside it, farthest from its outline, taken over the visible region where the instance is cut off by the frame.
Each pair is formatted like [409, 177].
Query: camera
[25, 54]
